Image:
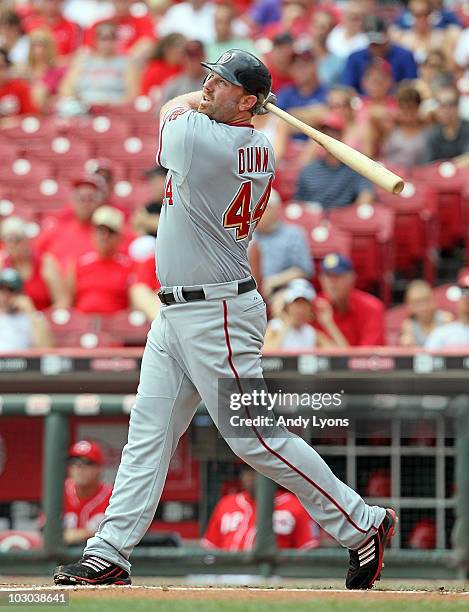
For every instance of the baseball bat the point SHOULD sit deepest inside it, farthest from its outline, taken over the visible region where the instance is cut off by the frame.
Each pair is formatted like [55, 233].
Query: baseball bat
[372, 170]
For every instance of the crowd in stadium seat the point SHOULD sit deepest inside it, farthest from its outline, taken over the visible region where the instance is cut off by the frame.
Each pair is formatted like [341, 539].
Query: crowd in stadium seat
[81, 84]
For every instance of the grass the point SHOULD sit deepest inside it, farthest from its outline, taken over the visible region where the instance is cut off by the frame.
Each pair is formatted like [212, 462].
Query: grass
[242, 605]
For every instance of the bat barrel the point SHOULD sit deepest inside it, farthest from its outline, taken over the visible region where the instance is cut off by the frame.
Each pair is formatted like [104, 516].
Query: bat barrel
[371, 169]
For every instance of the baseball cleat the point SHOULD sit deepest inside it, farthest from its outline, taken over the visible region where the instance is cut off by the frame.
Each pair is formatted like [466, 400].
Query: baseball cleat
[366, 562]
[91, 570]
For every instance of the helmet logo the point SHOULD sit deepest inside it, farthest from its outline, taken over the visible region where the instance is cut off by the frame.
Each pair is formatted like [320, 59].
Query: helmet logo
[225, 58]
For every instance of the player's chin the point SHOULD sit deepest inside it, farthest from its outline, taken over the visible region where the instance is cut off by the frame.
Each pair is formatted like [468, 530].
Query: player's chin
[205, 109]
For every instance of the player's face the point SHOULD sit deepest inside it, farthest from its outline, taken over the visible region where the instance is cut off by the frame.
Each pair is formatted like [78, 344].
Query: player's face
[84, 474]
[222, 101]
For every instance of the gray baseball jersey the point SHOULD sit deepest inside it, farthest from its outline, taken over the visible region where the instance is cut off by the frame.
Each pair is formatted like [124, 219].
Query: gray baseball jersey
[218, 185]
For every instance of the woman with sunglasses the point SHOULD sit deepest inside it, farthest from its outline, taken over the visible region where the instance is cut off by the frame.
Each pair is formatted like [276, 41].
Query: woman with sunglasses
[103, 76]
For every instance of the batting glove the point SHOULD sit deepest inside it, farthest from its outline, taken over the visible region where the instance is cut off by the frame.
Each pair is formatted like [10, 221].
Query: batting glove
[262, 109]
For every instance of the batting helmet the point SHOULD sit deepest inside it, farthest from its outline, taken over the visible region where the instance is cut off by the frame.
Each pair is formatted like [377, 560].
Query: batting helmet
[244, 69]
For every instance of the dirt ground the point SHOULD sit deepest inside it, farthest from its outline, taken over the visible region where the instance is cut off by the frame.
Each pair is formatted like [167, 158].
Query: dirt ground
[162, 590]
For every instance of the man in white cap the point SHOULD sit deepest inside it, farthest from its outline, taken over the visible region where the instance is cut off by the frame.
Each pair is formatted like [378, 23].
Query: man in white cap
[293, 330]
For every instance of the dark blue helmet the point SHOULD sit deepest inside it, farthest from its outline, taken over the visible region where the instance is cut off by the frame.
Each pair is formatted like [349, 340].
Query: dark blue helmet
[244, 69]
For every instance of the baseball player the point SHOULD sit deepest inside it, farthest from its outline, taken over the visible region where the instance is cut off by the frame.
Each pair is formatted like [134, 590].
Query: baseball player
[86, 496]
[211, 327]
[232, 525]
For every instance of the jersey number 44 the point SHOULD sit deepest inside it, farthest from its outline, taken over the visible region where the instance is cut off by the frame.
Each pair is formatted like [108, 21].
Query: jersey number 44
[241, 214]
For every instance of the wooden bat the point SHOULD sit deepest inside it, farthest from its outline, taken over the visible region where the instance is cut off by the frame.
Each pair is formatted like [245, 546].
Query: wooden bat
[362, 164]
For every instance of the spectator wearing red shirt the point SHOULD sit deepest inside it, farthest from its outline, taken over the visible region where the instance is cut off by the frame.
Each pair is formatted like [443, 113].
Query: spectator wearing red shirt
[232, 525]
[15, 94]
[48, 14]
[134, 33]
[100, 281]
[358, 315]
[279, 61]
[165, 62]
[41, 277]
[68, 236]
[86, 497]
[142, 250]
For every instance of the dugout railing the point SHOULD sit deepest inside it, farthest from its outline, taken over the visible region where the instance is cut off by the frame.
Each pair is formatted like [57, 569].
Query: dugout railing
[451, 405]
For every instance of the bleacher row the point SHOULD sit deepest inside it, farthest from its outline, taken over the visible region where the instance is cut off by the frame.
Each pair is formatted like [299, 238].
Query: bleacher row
[398, 233]
[401, 233]
[40, 157]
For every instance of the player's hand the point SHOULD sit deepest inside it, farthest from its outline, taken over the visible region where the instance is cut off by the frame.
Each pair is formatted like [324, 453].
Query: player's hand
[272, 98]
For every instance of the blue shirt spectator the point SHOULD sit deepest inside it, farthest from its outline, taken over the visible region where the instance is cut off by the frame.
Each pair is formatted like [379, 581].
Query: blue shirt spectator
[329, 182]
[286, 247]
[265, 12]
[283, 247]
[401, 60]
[290, 97]
[331, 185]
[441, 19]
[306, 88]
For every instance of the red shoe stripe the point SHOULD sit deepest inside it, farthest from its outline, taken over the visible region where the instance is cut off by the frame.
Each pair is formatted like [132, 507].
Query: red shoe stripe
[262, 441]
[382, 545]
[108, 575]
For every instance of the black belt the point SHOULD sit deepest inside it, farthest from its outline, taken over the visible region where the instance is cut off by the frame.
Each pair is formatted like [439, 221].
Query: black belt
[194, 295]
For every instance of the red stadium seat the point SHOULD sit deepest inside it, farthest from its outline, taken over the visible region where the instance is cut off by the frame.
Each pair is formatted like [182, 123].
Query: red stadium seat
[371, 230]
[90, 166]
[415, 227]
[98, 129]
[46, 195]
[69, 325]
[142, 116]
[447, 297]
[448, 180]
[30, 133]
[306, 215]
[23, 172]
[130, 328]
[8, 150]
[132, 152]
[130, 195]
[65, 153]
[325, 238]
[71, 328]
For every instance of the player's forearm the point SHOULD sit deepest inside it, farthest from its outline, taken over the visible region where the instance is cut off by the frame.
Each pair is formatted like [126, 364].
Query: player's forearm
[190, 101]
